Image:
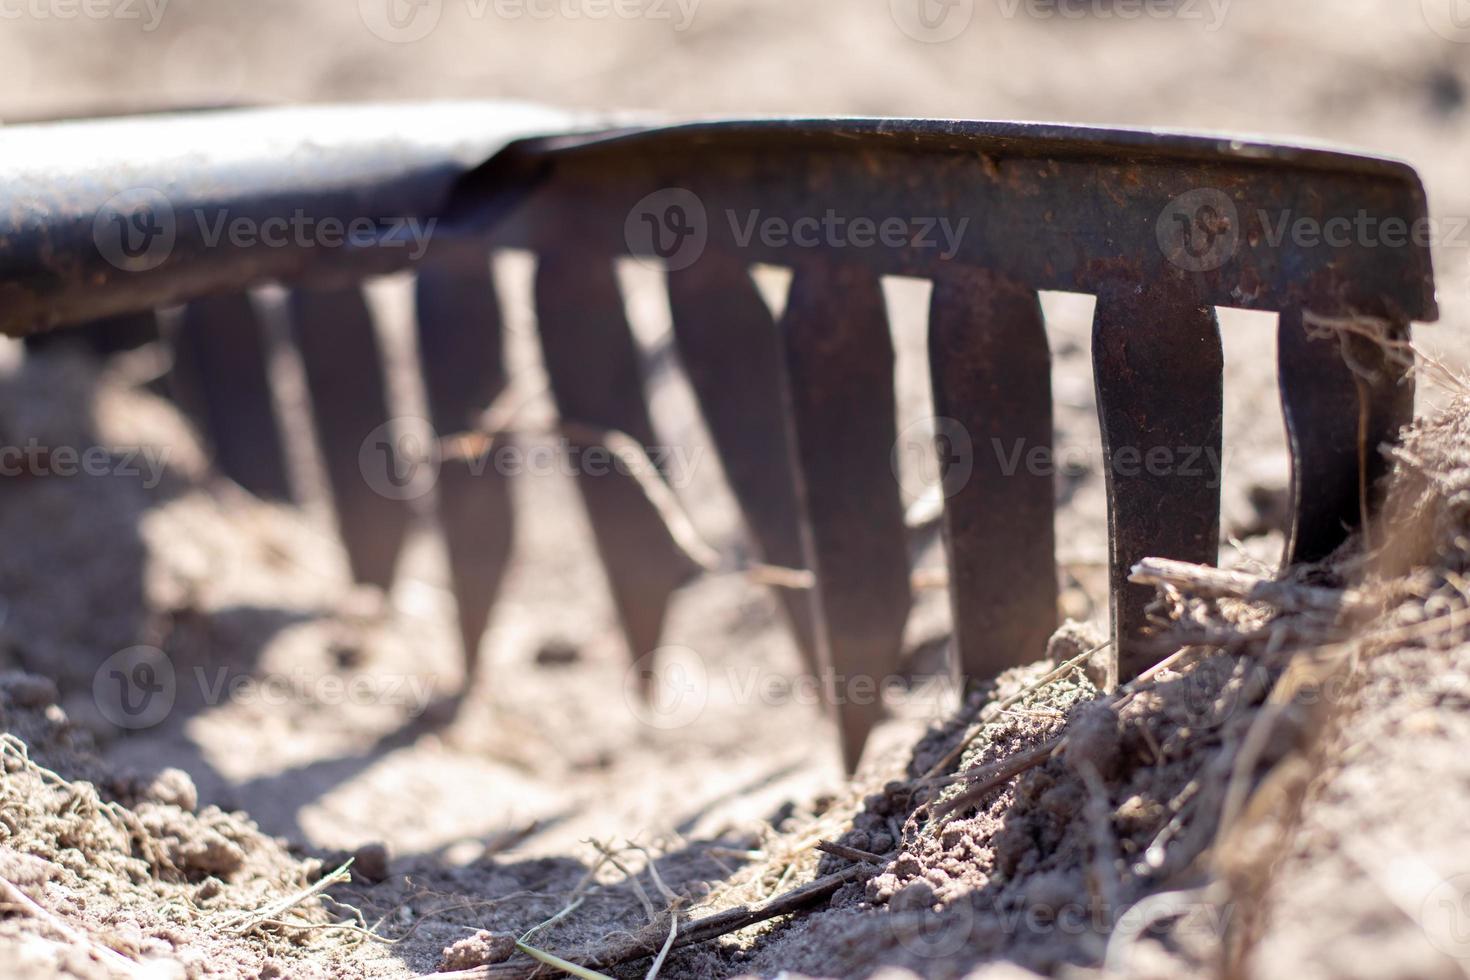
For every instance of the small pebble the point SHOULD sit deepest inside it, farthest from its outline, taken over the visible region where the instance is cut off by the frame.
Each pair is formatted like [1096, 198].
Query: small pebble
[482, 949]
[370, 862]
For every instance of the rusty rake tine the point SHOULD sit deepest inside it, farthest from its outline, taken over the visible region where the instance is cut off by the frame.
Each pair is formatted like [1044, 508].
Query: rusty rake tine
[221, 376]
[592, 363]
[334, 332]
[731, 352]
[991, 370]
[840, 362]
[460, 356]
[1322, 399]
[1158, 367]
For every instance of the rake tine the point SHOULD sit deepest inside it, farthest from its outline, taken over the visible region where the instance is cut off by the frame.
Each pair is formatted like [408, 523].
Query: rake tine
[1158, 368]
[840, 362]
[991, 370]
[104, 337]
[592, 362]
[334, 331]
[731, 352]
[221, 376]
[1320, 396]
[459, 336]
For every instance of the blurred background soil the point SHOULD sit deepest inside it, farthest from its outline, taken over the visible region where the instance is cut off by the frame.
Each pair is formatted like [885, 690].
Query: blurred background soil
[549, 752]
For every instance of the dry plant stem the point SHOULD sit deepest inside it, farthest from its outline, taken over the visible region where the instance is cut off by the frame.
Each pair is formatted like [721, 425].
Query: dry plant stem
[249, 920]
[658, 962]
[1104, 848]
[666, 504]
[999, 773]
[650, 941]
[1217, 583]
[990, 712]
[12, 895]
[850, 853]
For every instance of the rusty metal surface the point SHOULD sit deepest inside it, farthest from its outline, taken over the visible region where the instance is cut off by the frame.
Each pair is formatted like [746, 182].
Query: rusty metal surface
[334, 332]
[991, 371]
[839, 358]
[596, 379]
[1161, 227]
[1053, 207]
[1342, 399]
[221, 375]
[1159, 369]
[731, 352]
[108, 216]
[460, 357]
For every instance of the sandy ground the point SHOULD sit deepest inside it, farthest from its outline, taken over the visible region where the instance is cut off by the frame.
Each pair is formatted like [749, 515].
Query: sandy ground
[487, 821]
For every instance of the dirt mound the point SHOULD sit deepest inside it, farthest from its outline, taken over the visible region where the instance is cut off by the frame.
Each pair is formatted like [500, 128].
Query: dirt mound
[128, 876]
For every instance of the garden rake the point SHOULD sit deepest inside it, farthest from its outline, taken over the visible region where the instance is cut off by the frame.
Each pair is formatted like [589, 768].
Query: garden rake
[105, 221]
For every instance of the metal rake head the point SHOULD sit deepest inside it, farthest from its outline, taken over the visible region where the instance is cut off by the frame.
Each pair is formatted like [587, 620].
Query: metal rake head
[1160, 228]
